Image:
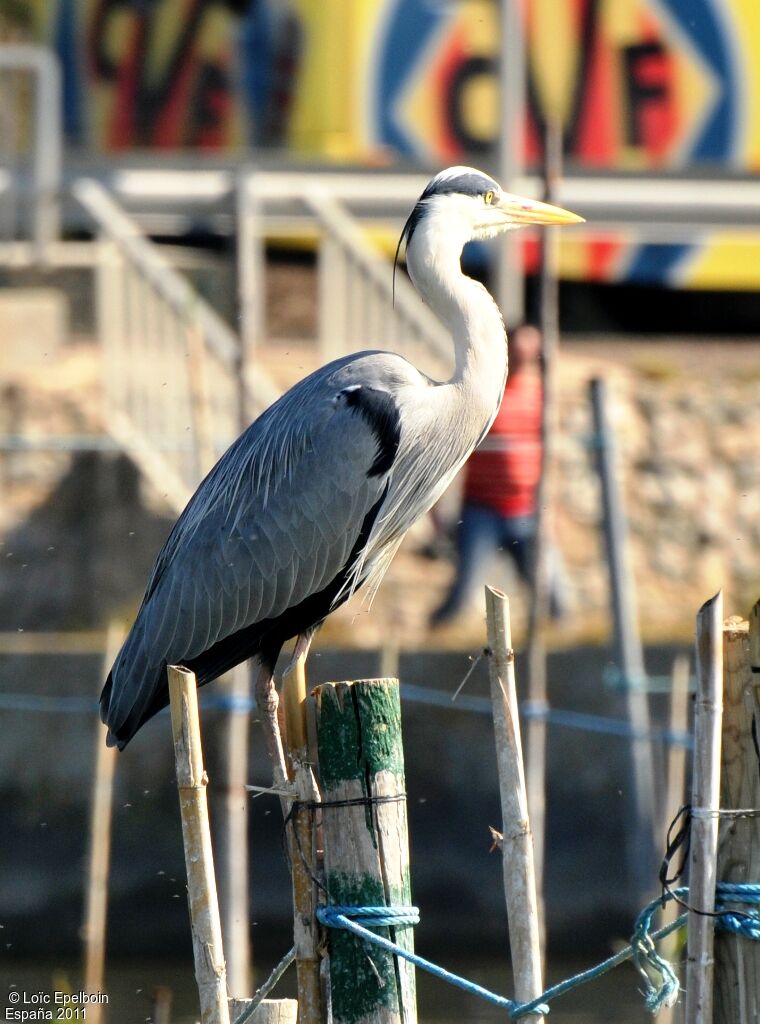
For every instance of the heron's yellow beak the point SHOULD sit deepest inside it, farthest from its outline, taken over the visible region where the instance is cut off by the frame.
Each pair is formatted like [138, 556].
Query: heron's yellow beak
[519, 211]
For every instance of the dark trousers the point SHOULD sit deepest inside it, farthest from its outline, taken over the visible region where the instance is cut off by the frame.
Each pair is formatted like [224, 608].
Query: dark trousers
[481, 534]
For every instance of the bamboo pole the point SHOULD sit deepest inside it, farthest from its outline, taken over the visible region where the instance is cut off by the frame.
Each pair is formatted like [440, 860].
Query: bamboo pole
[96, 910]
[705, 797]
[737, 959]
[678, 725]
[675, 794]
[232, 843]
[205, 924]
[510, 282]
[538, 610]
[162, 1005]
[301, 844]
[642, 835]
[366, 845]
[517, 842]
[754, 638]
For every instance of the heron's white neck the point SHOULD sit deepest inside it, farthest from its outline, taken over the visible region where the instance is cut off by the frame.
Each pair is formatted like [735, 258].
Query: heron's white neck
[464, 305]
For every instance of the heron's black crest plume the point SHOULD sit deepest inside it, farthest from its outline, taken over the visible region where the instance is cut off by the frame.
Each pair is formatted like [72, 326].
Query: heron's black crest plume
[405, 233]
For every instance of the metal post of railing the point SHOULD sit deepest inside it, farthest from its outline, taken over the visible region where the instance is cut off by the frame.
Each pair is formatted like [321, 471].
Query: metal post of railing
[332, 290]
[47, 150]
[251, 273]
[510, 276]
[47, 145]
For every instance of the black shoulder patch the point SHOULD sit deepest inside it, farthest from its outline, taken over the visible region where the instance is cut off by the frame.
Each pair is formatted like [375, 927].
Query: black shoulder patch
[380, 412]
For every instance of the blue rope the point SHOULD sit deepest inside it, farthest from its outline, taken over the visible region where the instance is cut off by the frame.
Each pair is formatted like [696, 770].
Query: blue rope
[353, 919]
[601, 724]
[552, 716]
[744, 924]
[642, 949]
[49, 704]
[615, 679]
[46, 704]
[416, 694]
[442, 699]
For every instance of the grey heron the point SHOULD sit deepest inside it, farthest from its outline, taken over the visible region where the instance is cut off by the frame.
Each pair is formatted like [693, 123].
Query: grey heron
[312, 501]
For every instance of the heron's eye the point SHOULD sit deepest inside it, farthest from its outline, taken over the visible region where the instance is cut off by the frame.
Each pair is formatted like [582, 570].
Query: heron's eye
[488, 197]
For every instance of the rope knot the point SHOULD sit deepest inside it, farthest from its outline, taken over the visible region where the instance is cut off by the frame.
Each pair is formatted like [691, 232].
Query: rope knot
[367, 917]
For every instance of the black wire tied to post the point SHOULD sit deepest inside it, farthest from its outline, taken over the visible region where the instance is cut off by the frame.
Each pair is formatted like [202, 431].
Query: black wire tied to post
[678, 841]
[318, 805]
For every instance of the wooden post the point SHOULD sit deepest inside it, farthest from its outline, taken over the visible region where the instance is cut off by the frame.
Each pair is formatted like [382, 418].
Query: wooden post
[301, 845]
[517, 843]
[705, 801]
[642, 833]
[94, 930]
[366, 844]
[205, 925]
[538, 609]
[232, 832]
[737, 960]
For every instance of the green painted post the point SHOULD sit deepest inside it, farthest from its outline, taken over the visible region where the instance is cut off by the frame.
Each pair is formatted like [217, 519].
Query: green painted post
[366, 846]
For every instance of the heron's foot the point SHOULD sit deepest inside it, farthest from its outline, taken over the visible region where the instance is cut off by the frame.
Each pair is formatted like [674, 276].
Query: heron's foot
[268, 700]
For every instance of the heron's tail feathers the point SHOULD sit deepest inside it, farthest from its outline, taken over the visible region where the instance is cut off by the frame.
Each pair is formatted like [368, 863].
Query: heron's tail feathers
[135, 690]
[105, 700]
[123, 720]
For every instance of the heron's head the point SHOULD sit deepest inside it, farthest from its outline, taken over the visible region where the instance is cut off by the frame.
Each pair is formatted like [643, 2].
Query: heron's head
[462, 204]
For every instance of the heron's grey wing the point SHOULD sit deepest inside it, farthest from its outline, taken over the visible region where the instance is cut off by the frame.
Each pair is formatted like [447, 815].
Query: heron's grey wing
[274, 522]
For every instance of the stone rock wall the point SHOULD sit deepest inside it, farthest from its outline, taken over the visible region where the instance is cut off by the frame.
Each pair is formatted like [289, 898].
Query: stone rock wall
[688, 459]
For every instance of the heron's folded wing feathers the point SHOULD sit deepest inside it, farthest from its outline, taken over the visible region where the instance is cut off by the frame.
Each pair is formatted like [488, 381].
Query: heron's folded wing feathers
[274, 521]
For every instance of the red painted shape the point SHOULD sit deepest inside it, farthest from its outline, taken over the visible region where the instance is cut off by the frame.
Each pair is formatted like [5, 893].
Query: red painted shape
[121, 127]
[531, 253]
[597, 136]
[602, 255]
[170, 126]
[658, 118]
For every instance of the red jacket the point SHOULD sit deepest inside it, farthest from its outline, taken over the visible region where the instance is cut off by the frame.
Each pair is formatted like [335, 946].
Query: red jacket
[503, 472]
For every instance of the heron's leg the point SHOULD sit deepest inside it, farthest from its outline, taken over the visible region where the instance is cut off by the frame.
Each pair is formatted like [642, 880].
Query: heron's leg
[301, 649]
[268, 700]
[294, 698]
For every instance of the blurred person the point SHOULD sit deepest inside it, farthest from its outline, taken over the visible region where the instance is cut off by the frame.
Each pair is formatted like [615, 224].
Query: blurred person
[498, 512]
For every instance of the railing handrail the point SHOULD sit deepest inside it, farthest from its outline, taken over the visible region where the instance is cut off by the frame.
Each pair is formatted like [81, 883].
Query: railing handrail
[625, 201]
[116, 225]
[402, 298]
[215, 395]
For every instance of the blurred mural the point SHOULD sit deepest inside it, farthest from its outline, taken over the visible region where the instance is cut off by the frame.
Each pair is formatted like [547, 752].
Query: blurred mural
[637, 83]
[657, 86]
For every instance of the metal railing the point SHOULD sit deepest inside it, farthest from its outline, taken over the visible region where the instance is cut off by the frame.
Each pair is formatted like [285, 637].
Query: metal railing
[357, 304]
[30, 145]
[174, 391]
[355, 308]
